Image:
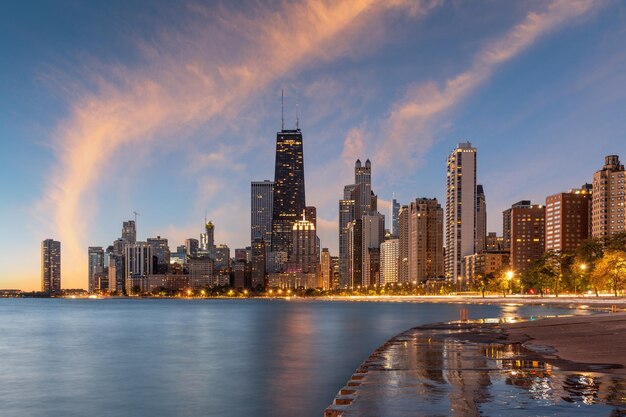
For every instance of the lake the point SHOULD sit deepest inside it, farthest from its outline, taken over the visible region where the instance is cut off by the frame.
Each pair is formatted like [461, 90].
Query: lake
[189, 358]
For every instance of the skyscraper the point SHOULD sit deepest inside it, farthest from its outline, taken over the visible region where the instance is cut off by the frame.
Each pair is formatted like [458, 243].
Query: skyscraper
[138, 259]
[95, 265]
[425, 243]
[192, 247]
[129, 231]
[207, 239]
[160, 251]
[372, 235]
[326, 270]
[261, 199]
[481, 219]
[50, 265]
[395, 210]
[358, 199]
[288, 194]
[258, 264]
[608, 203]
[403, 244]
[460, 209]
[303, 258]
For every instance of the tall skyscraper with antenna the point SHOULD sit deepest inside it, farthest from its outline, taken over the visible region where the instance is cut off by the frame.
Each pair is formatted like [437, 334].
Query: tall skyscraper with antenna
[288, 193]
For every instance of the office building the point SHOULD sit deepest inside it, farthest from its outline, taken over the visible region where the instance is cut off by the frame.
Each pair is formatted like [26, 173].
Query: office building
[395, 211]
[527, 236]
[207, 239]
[161, 254]
[50, 266]
[494, 243]
[192, 245]
[288, 200]
[608, 203]
[139, 264]
[200, 272]
[129, 231]
[95, 264]
[425, 240]
[222, 258]
[460, 210]
[568, 218]
[261, 203]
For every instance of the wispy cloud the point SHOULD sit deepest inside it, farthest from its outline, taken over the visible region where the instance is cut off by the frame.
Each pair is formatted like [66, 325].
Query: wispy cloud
[189, 76]
[414, 120]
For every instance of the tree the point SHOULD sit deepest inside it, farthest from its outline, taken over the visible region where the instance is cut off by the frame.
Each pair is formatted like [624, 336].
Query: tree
[610, 271]
[615, 242]
[484, 282]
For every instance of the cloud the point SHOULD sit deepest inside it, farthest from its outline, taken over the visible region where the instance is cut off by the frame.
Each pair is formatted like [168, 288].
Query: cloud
[187, 76]
[413, 120]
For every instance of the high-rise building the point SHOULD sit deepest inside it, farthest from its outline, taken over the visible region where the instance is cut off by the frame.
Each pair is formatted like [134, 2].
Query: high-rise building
[389, 256]
[372, 235]
[241, 254]
[354, 254]
[527, 236]
[200, 272]
[568, 220]
[346, 215]
[116, 272]
[358, 200]
[222, 257]
[608, 214]
[326, 270]
[50, 265]
[258, 264]
[192, 247]
[261, 199]
[207, 239]
[139, 264]
[395, 211]
[403, 244]
[481, 264]
[460, 209]
[506, 222]
[129, 231]
[481, 219]
[161, 252]
[425, 240]
[288, 199]
[95, 266]
[303, 258]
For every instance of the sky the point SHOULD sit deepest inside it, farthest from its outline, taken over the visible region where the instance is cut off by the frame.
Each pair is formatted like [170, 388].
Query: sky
[171, 108]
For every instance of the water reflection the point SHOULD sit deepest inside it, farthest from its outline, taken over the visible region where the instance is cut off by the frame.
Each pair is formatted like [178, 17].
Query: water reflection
[431, 373]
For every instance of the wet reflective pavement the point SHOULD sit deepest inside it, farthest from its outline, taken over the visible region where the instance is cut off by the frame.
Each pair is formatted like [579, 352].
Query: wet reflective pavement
[430, 372]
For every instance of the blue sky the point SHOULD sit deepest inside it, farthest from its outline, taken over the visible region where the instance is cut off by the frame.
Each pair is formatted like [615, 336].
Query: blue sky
[171, 109]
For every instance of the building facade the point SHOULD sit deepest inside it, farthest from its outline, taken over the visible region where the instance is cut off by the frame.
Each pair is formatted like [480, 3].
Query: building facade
[460, 209]
[138, 265]
[608, 203]
[425, 240]
[261, 203]
[389, 257]
[372, 235]
[568, 218]
[481, 219]
[95, 264]
[527, 236]
[50, 265]
[326, 270]
[288, 199]
[506, 222]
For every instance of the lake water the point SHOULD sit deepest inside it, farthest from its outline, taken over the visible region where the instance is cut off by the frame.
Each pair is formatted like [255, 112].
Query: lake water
[189, 358]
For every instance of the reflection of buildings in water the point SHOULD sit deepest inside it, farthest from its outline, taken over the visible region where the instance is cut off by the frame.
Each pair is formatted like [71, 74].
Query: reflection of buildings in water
[581, 387]
[466, 370]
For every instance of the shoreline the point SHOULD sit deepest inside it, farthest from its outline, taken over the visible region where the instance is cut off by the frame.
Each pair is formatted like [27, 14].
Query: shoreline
[589, 344]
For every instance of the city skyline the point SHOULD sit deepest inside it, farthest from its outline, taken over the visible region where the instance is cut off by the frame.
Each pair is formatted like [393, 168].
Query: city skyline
[84, 151]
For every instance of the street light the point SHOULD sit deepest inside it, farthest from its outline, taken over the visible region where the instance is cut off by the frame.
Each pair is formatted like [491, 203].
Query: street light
[509, 277]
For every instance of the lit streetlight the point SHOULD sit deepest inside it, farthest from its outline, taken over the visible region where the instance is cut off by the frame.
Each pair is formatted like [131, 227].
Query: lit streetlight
[509, 277]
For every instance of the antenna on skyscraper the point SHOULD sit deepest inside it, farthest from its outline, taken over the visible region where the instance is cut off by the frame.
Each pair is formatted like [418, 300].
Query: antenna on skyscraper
[297, 117]
[282, 109]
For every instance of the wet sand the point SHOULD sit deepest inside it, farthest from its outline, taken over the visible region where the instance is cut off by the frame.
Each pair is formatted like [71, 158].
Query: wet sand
[557, 366]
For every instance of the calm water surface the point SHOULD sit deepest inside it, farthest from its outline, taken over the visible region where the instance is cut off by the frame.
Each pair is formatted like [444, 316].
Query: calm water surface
[135, 358]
